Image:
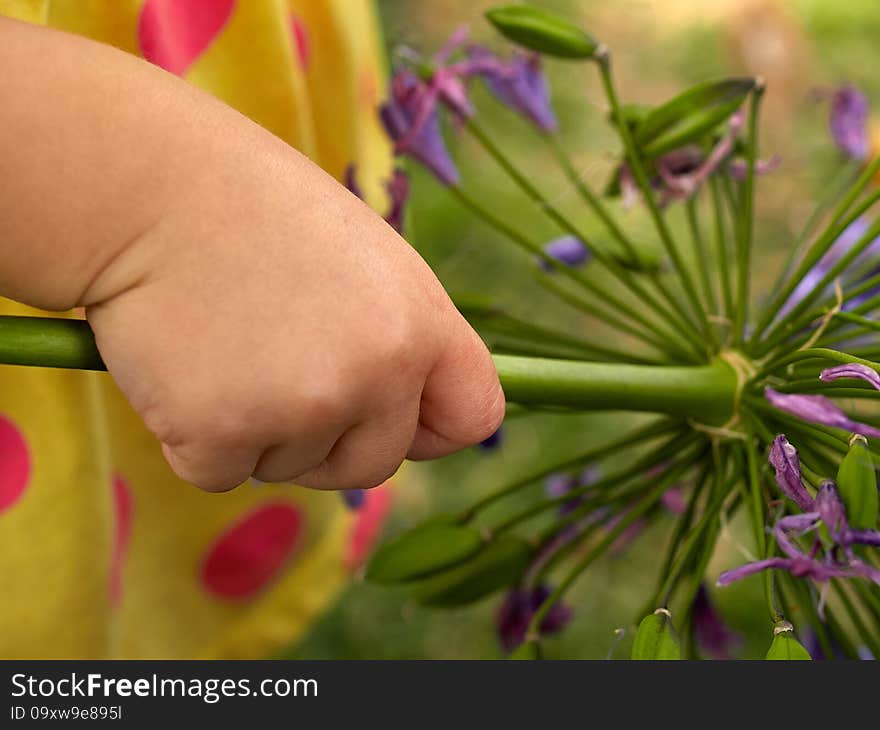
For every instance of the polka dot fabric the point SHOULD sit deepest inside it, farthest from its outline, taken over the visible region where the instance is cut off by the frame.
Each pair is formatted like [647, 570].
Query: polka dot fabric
[104, 553]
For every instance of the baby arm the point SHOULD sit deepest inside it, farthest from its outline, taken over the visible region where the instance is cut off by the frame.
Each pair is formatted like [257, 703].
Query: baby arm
[259, 318]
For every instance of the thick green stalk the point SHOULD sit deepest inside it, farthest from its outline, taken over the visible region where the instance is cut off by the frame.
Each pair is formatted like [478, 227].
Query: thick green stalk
[49, 342]
[702, 392]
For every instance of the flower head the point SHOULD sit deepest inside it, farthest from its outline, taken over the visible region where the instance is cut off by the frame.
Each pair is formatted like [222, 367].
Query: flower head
[518, 610]
[568, 250]
[411, 120]
[518, 83]
[848, 121]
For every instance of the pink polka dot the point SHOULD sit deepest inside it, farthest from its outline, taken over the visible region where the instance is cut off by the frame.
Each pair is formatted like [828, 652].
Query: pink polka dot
[252, 552]
[301, 39]
[368, 524]
[174, 33]
[15, 463]
[122, 508]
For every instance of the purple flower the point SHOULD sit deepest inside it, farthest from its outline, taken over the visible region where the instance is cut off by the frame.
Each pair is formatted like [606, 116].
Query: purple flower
[568, 250]
[739, 168]
[851, 370]
[411, 120]
[398, 194]
[674, 501]
[558, 485]
[818, 409]
[518, 83]
[493, 442]
[354, 498]
[823, 561]
[848, 121]
[714, 638]
[784, 459]
[517, 611]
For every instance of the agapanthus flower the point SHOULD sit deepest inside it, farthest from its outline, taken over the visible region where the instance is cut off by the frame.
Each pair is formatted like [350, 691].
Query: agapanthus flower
[713, 636]
[411, 120]
[568, 250]
[354, 498]
[398, 194]
[818, 409]
[518, 83]
[848, 121]
[823, 561]
[852, 370]
[518, 610]
[493, 442]
[784, 460]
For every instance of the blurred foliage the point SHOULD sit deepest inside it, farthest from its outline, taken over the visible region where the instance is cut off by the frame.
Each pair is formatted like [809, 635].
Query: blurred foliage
[658, 46]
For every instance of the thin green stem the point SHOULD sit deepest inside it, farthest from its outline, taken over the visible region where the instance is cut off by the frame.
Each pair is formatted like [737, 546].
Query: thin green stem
[700, 253]
[638, 170]
[746, 219]
[49, 342]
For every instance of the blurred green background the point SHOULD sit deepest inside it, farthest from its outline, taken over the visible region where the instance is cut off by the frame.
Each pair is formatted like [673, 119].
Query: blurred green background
[659, 46]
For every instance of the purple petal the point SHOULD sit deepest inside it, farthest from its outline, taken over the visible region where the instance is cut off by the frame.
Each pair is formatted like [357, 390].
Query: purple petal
[863, 537]
[793, 523]
[784, 459]
[738, 169]
[518, 83]
[818, 409]
[493, 442]
[354, 498]
[831, 511]
[568, 250]
[411, 121]
[851, 370]
[398, 193]
[848, 121]
[731, 576]
[674, 501]
[517, 611]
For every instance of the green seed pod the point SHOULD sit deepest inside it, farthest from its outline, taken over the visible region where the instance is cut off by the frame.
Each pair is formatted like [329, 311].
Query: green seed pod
[656, 638]
[428, 548]
[528, 650]
[857, 484]
[542, 31]
[497, 566]
[691, 115]
[785, 646]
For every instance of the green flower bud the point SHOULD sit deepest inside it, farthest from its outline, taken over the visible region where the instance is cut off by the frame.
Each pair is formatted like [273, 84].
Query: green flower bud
[528, 650]
[785, 646]
[542, 31]
[857, 484]
[656, 638]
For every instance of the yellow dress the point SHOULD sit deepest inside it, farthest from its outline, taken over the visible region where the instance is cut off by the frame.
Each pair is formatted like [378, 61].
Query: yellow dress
[103, 551]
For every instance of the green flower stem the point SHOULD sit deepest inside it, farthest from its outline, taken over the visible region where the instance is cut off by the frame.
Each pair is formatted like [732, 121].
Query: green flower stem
[839, 266]
[702, 392]
[855, 617]
[485, 315]
[862, 322]
[654, 429]
[721, 253]
[747, 219]
[695, 540]
[644, 505]
[820, 246]
[669, 449]
[844, 178]
[814, 353]
[638, 169]
[623, 276]
[649, 336]
[48, 342]
[678, 319]
[700, 254]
